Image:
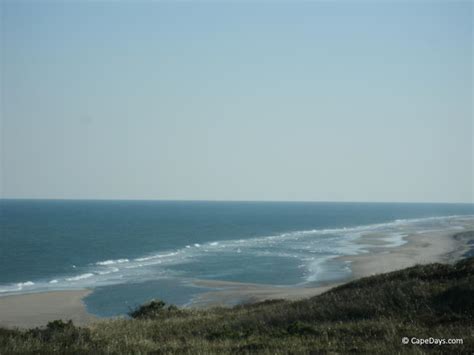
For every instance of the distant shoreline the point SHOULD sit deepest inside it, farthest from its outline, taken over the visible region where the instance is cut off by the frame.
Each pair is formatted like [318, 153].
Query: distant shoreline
[36, 309]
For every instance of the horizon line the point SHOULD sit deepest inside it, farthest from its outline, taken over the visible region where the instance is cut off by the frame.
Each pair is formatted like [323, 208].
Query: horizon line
[223, 200]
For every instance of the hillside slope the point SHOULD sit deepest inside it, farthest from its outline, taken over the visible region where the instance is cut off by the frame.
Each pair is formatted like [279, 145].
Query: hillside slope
[368, 315]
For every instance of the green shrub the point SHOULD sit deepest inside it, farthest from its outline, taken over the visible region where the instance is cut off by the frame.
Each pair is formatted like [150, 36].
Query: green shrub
[154, 309]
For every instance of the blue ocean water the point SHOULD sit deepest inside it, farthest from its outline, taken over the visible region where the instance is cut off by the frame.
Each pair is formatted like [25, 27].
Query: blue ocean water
[132, 251]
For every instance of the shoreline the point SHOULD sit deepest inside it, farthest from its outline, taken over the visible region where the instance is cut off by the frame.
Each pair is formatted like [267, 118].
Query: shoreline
[420, 248]
[234, 293]
[37, 309]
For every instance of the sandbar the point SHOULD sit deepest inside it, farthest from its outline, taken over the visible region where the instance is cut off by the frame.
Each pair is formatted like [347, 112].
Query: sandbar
[37, 309]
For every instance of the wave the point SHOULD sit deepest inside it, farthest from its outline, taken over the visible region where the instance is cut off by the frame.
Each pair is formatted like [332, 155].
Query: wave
[112, 262]
[20, 286]
[27, 283]
[157, 256]
[80, 277]
[108, 271]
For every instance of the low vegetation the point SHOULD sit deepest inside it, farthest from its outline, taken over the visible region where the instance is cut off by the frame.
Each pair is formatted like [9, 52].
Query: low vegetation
[370, 315]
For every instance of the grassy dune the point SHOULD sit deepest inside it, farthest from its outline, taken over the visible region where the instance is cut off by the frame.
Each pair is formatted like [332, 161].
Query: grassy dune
[370, 315]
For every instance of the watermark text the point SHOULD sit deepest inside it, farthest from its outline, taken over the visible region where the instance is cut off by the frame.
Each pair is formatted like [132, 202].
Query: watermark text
[431, 341]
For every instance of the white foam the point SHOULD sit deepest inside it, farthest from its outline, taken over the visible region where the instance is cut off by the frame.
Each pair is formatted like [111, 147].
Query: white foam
[395, 240]
[17, 287]
[24, 284]
[138, 265]
[53, 281]
[197, 245]
[214, 243]
[111, 262]
[108, 271]
[157, 256]
[316, 268]
[80, 277]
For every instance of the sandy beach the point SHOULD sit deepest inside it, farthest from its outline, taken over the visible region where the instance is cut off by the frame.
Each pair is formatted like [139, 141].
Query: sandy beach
[32, 310]
[422, 248]
[37, 309]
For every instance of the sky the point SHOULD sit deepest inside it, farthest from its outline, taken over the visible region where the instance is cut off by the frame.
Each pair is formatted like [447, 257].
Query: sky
[297, 101]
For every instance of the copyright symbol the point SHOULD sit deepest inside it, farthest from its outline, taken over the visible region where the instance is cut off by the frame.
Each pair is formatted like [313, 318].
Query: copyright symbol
[405, 340]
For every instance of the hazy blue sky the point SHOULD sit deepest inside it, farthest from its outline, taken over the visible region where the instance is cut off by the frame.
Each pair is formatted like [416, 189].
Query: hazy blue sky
[309, 101]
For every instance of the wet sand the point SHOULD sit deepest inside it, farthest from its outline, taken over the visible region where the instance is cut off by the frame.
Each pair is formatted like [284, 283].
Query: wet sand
[37, 309]
[233, 293]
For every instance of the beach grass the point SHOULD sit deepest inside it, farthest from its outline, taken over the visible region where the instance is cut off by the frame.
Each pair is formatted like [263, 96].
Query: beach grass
[369, 315]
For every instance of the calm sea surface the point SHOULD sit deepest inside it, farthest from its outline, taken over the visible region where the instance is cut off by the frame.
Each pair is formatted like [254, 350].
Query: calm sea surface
[131, 251]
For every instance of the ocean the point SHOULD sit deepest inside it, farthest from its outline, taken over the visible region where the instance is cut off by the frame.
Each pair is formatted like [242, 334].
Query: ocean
[131, 251]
